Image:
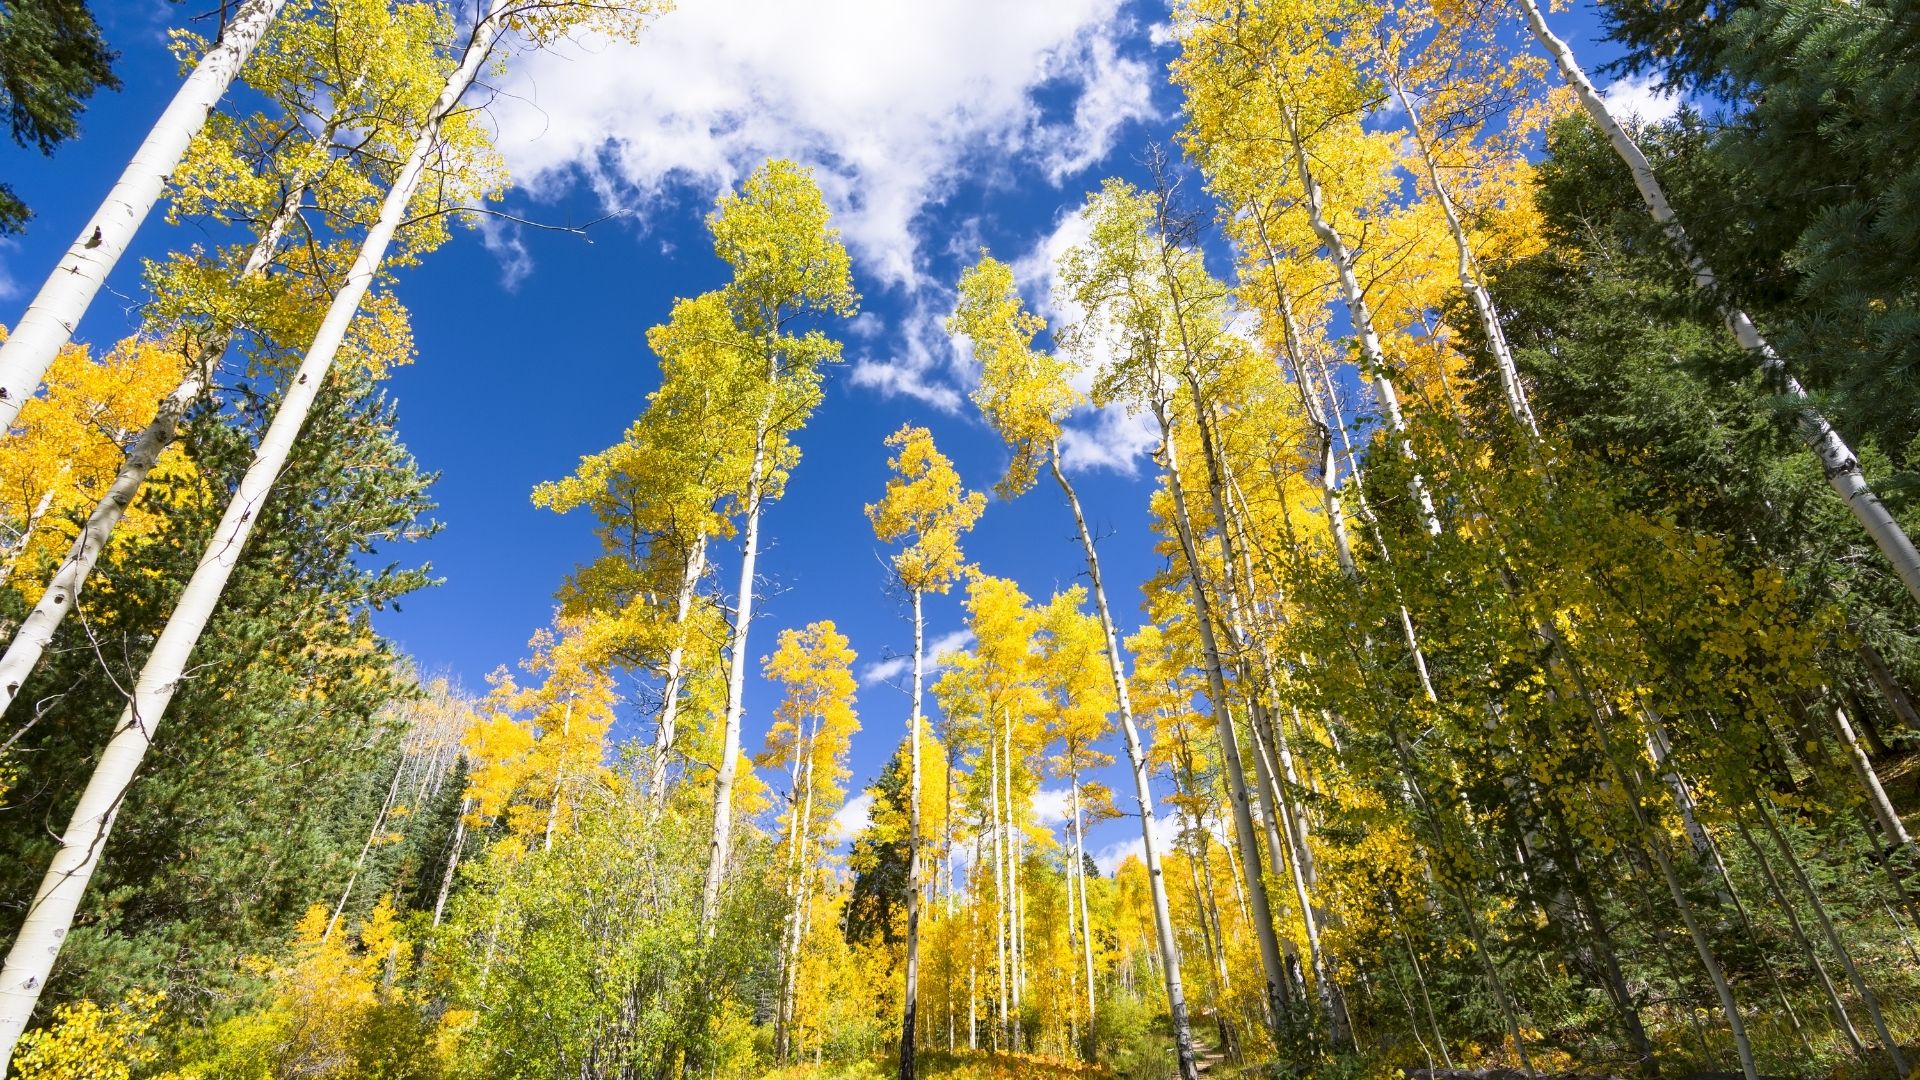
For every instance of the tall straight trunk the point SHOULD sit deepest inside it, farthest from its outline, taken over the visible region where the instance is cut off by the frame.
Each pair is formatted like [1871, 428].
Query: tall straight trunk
[453, 860]
[665, 733]
[51, 914]
[1787, 907]
[1465, 264]
[912, 999]
[1883, 809]
[35, 634]
[1086, 924]
[1142, 790]
[1836, 457]
[559, 780]
[55, 312]
[722, 842]
[360, 860]
[1896, 696]
[999, 885]
[1834, 940]
[1259, 910]
[1016, 921]
[1362, 317]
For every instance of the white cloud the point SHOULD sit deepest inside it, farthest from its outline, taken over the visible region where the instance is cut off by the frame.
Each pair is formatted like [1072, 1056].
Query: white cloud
[1052, 806]
[892, 103]
[1109, 857]
[850, 819]
[1093, 438]
[928, 366]
[893, 667]
[1637, 97]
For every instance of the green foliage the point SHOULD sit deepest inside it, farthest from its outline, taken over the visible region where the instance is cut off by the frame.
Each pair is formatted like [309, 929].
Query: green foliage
[52, 59]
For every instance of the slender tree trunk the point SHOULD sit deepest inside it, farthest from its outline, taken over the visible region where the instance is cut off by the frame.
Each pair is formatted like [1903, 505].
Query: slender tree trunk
[665, 733]
[360, 860]
[51, 914]
[56, 310]
[912, 999]
[1259, 911]
[1000, 952]
[1897, 698]
[1834, 941]
[1497, 348]
[453, 861]
[1836, 457]
[1780, 898]
[1883, 810]
[1086, 924]
[1142, 789]
[737, 662]
[35, 635]
[18, 549]
[1362, 316]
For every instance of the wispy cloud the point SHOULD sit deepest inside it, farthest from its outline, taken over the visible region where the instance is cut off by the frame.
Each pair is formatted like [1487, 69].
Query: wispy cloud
[938, 649]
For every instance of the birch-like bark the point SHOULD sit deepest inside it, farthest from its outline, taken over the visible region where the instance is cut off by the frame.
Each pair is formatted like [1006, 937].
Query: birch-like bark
[1836, 457]
[1834, 941]
[453, 860]
[360, 860]
[728, 765]
[35, 634]
[1883, 809]
[51, 913]
[1362, 316]
[665, 732]
[1142, 789]
[1259, 910]
[56, 309]
[999, 886]
[16, 550]
[912, 1000]
[1510, 385]
[1086, 924]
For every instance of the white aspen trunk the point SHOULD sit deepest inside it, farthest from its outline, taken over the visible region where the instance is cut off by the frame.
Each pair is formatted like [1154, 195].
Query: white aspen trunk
[663, 737]
[379, 820]
[1086, 924]
[1259, 911]
[1362, 317]
[999, 886]
[1883, 809]
[912, 999]
[18, 549]
[453, 861]
[1841, 1019]
[1510, 385]
[56, 309]
[736, 695]
[1142, 792]
[1016, 923]
[51, 914]
[973, 967]
[1836, 457]
[1890, 689]
[1834, 941]
[35, 635]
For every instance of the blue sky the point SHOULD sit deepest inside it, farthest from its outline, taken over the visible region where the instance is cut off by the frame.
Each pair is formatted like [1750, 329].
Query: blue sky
[935, 128]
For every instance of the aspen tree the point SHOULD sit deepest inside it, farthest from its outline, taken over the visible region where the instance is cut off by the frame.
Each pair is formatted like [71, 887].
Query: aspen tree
[56, 309]
[1026, 395]
[812, 729]
[268, 167]
[1837, 459]
[1118, 279]
[789, 267]
[51, 914]
[924, 501]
